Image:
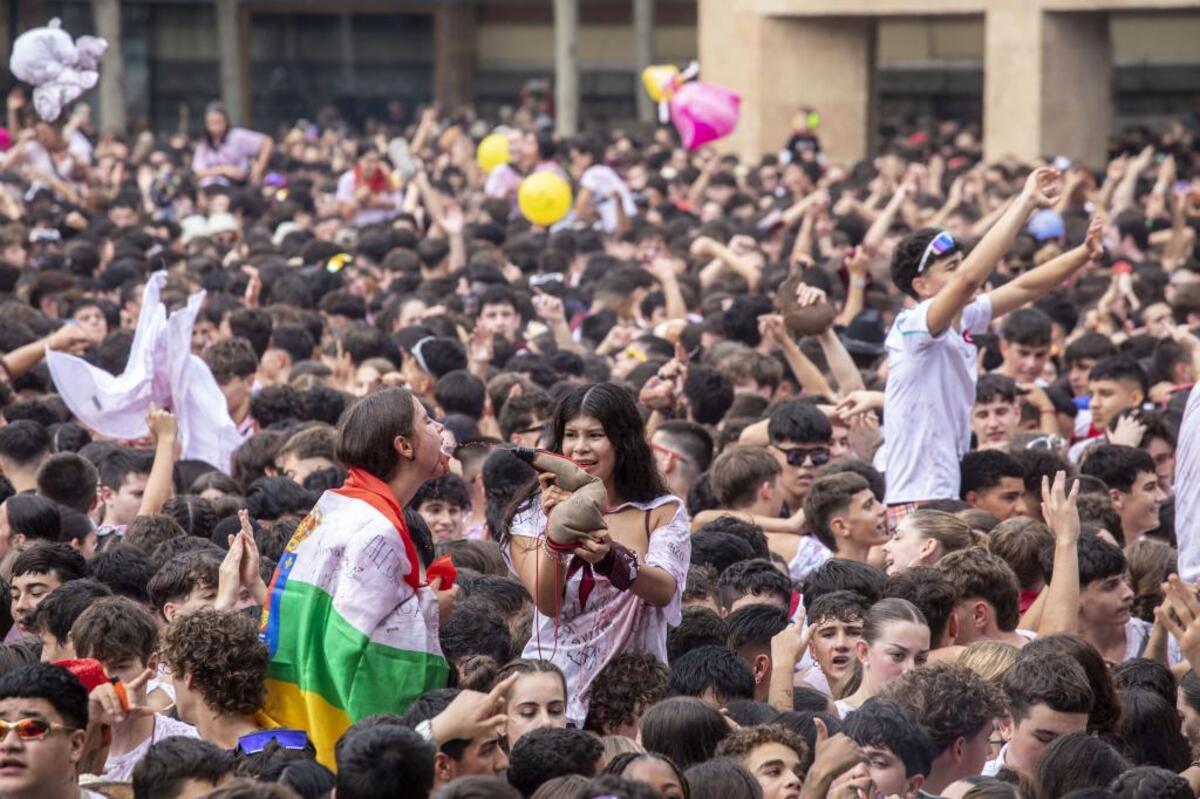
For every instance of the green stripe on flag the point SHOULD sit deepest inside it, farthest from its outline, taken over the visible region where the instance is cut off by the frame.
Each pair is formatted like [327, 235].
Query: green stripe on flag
[321, 652]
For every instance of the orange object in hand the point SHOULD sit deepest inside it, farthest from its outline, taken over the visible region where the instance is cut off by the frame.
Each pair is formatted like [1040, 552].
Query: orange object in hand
[122, 694]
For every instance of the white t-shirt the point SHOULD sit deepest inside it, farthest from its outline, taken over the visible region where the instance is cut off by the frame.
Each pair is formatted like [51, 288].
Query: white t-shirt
[1137, 635]
[591, 630]
[928, 400]
[346, 185]
[601, 181]
[993, 766]
[119, 768]
[810, 554]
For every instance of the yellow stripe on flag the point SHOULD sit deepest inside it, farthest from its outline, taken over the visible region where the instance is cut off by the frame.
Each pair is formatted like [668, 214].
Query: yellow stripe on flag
[294, 708]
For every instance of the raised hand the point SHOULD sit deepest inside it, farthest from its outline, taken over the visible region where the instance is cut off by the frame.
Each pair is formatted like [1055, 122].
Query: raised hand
[161, 422]
[857, 262]
[1094, 241]
[452, 220]
[1043, 186]
[481, 346]
[110, 704]
[809, 295]
[549, 308]
[1180, 614]
[69, 338]
[703, 247]
[249, 573]
[789, 644]
[833, 756]
[770, 327]
[472, 714]
[859, 402]
[1059, 508]
[551, 494]
[1128, 432]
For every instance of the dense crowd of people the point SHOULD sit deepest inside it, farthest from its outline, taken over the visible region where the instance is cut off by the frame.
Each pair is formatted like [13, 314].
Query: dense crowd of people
[875, 480]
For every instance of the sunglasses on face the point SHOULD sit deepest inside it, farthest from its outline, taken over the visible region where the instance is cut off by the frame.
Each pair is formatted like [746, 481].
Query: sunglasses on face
[796, 457]
[1047, 443]
[255, 742]
[942, 244]
[33, 729]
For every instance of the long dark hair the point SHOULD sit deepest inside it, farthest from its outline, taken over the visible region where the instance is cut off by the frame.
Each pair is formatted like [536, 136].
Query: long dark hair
[216, 107]
[683, 728]
[1149, 731]
[635, 474]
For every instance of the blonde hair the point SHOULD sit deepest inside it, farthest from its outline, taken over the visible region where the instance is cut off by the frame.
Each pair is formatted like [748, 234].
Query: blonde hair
[615, 745]
[950, 532]
[991, 660]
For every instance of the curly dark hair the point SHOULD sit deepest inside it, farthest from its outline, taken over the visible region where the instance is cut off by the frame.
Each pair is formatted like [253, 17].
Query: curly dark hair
[741, 742]
[628, 684]
[949, 701]
[907, 258]
[222, 652]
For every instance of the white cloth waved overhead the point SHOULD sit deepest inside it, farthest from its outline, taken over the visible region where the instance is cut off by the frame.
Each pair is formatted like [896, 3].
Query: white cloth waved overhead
[59, 68]
[162, 370]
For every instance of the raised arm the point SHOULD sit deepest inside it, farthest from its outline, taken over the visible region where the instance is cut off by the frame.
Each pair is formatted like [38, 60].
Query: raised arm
[264, 157]
[68, 338]
[1041, 190]
[1033, 284]
[1060, 612]
[1124, 195]
[158, 485]
[803, 369]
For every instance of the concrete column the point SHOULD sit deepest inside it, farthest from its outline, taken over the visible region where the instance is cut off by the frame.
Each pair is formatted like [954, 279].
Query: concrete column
[107, 19]
[1012, 66]
[829, 64]
[1052, 72]
[643, 44]
[566, 66]
[1077, 86]
[231, 46]
[454, 54]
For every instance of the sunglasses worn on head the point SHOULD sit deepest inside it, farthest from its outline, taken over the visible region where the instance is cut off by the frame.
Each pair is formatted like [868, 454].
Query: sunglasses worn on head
[32, 729]
[255, 742]
[942, 243]
[796, 457]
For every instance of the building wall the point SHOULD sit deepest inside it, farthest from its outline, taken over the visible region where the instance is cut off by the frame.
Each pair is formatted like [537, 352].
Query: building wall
[929, 66]
[1164, 38]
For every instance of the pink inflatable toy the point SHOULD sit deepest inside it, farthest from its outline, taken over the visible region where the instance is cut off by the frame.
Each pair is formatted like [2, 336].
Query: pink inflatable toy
[704, 112]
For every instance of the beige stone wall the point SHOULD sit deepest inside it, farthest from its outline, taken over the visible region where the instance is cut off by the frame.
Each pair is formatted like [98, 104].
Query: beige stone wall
[1165, 37]
[600, 46]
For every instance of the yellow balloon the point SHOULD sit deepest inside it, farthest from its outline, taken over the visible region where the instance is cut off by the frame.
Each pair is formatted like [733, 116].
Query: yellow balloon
[492, 151]
[544, 198]
[656, 77]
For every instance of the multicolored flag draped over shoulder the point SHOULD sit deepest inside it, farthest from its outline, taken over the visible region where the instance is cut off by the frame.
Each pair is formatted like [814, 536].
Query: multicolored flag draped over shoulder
[350, 629]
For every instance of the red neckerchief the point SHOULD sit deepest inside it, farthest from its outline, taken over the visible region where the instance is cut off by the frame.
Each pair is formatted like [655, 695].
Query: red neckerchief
[376, 493]
[378, 183]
